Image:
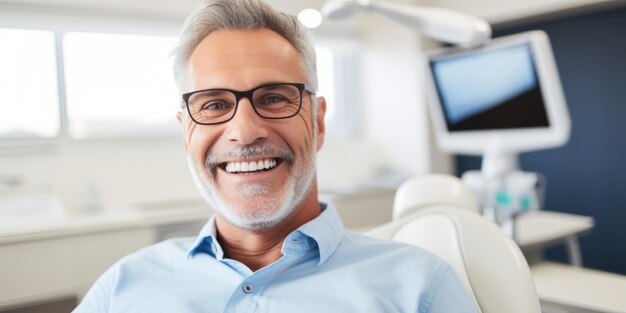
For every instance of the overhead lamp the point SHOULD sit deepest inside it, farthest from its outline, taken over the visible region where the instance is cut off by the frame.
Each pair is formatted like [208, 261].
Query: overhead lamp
[437, 23]
[310, 18]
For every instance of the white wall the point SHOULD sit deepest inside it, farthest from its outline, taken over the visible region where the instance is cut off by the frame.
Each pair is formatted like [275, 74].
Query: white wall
[395, 114]
[123, 172]
[394, 138]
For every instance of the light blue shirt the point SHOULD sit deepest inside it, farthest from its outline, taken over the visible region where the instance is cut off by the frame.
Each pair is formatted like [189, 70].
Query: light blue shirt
[324, 268]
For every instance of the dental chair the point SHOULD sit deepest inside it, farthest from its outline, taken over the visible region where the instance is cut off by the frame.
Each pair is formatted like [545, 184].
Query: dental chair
[439, 214]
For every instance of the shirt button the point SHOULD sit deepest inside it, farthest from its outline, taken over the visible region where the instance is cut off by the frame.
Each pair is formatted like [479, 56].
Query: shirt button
[247, 288]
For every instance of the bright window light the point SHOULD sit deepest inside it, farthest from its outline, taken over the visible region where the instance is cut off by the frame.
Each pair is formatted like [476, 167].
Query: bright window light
[29, 101]
[326, 80]
[119, 85]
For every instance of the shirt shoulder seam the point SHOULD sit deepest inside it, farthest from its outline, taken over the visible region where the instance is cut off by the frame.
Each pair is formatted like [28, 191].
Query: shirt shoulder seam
[435, 283]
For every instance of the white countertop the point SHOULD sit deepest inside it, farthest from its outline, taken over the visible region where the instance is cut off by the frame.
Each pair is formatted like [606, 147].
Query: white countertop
[580, 287]
[38, 227]
[46, 227]
[540, 228]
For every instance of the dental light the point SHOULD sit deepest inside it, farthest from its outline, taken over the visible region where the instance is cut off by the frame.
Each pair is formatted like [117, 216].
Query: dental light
[440, 24]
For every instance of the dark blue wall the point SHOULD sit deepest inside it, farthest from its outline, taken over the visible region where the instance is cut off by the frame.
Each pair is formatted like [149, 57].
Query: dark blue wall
[588, 175]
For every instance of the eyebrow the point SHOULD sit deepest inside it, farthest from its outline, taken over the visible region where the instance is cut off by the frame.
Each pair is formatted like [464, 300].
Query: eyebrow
[255, 86]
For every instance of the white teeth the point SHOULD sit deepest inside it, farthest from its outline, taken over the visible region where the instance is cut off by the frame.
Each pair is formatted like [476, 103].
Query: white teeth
[233, 167]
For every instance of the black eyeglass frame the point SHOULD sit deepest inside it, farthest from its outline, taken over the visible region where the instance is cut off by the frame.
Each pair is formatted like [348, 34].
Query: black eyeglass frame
[245, 94]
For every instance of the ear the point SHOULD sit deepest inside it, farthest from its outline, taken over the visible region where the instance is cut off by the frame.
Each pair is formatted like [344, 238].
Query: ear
[181, 121]
[321, 127]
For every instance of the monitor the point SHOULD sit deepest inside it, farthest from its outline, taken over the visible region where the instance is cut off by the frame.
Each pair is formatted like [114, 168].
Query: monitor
[498, 99]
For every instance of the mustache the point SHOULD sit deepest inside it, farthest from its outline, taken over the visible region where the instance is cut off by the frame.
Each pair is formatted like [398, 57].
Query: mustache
[213, 159]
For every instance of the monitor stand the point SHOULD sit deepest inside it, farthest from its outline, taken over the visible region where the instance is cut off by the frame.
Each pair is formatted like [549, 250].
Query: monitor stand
[496, 164]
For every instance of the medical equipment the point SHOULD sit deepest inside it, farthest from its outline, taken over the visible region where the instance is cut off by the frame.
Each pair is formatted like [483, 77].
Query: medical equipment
[494, 98]
[440, 24]
[503, 198]
[497, 100]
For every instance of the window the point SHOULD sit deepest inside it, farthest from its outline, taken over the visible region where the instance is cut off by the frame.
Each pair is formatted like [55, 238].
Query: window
[119, 85]
[326, 81]
[336, 65]
[29, 101]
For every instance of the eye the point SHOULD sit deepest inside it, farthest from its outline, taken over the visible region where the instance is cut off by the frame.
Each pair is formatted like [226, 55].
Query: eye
[215, 106]
[272, 99]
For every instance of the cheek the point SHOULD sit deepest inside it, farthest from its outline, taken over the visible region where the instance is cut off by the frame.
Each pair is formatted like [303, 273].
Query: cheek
[200, 139]
[299, 138]
[299, 127]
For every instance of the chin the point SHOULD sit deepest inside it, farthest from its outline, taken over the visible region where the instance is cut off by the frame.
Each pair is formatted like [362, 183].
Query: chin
[258, 212]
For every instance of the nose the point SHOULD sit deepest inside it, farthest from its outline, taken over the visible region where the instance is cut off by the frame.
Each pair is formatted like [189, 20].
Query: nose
[246, 126]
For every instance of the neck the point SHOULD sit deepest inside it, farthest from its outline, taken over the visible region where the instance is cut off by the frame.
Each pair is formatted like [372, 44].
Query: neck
[258, 249]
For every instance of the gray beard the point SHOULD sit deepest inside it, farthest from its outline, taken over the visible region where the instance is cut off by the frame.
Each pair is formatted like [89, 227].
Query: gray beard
[269, 212]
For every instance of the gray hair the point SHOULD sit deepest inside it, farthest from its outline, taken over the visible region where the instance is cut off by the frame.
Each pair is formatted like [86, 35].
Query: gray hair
[249, 15]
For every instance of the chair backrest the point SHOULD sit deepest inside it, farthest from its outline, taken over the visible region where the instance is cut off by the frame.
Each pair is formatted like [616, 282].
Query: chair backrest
[426, 191]
[488, 262]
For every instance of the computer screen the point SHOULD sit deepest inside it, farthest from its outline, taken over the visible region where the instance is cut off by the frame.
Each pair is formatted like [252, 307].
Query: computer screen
[498, 99]
[496, 89]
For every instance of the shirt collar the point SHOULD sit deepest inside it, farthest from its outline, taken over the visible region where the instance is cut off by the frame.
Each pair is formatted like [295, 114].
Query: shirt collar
[326, 230]
[206, 242]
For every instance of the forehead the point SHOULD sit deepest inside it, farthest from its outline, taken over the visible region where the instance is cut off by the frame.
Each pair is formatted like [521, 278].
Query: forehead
[243, 60]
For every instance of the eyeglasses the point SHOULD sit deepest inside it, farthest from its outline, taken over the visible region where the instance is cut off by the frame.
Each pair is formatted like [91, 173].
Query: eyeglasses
[272, 101]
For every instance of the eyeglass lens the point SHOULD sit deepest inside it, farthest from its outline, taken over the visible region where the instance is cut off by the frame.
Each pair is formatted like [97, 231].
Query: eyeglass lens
[273, 101]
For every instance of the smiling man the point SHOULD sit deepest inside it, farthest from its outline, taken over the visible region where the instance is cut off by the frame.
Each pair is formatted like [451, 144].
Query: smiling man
[253, 125]
[251, 139]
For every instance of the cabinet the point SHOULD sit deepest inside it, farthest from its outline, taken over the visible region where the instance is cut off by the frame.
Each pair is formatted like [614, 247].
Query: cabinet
[49, 269]
[53, 263]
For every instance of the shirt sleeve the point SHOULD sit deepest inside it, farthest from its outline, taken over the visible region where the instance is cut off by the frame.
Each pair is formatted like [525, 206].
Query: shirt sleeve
[447, 294]
[98, 297]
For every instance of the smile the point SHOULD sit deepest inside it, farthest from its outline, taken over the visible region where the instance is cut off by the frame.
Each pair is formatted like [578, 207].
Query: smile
[251, 167]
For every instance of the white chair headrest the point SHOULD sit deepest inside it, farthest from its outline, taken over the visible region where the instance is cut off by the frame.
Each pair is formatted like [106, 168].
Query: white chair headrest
[431, 190]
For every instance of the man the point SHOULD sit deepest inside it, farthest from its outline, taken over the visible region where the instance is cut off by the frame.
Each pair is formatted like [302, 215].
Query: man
[253, 125]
